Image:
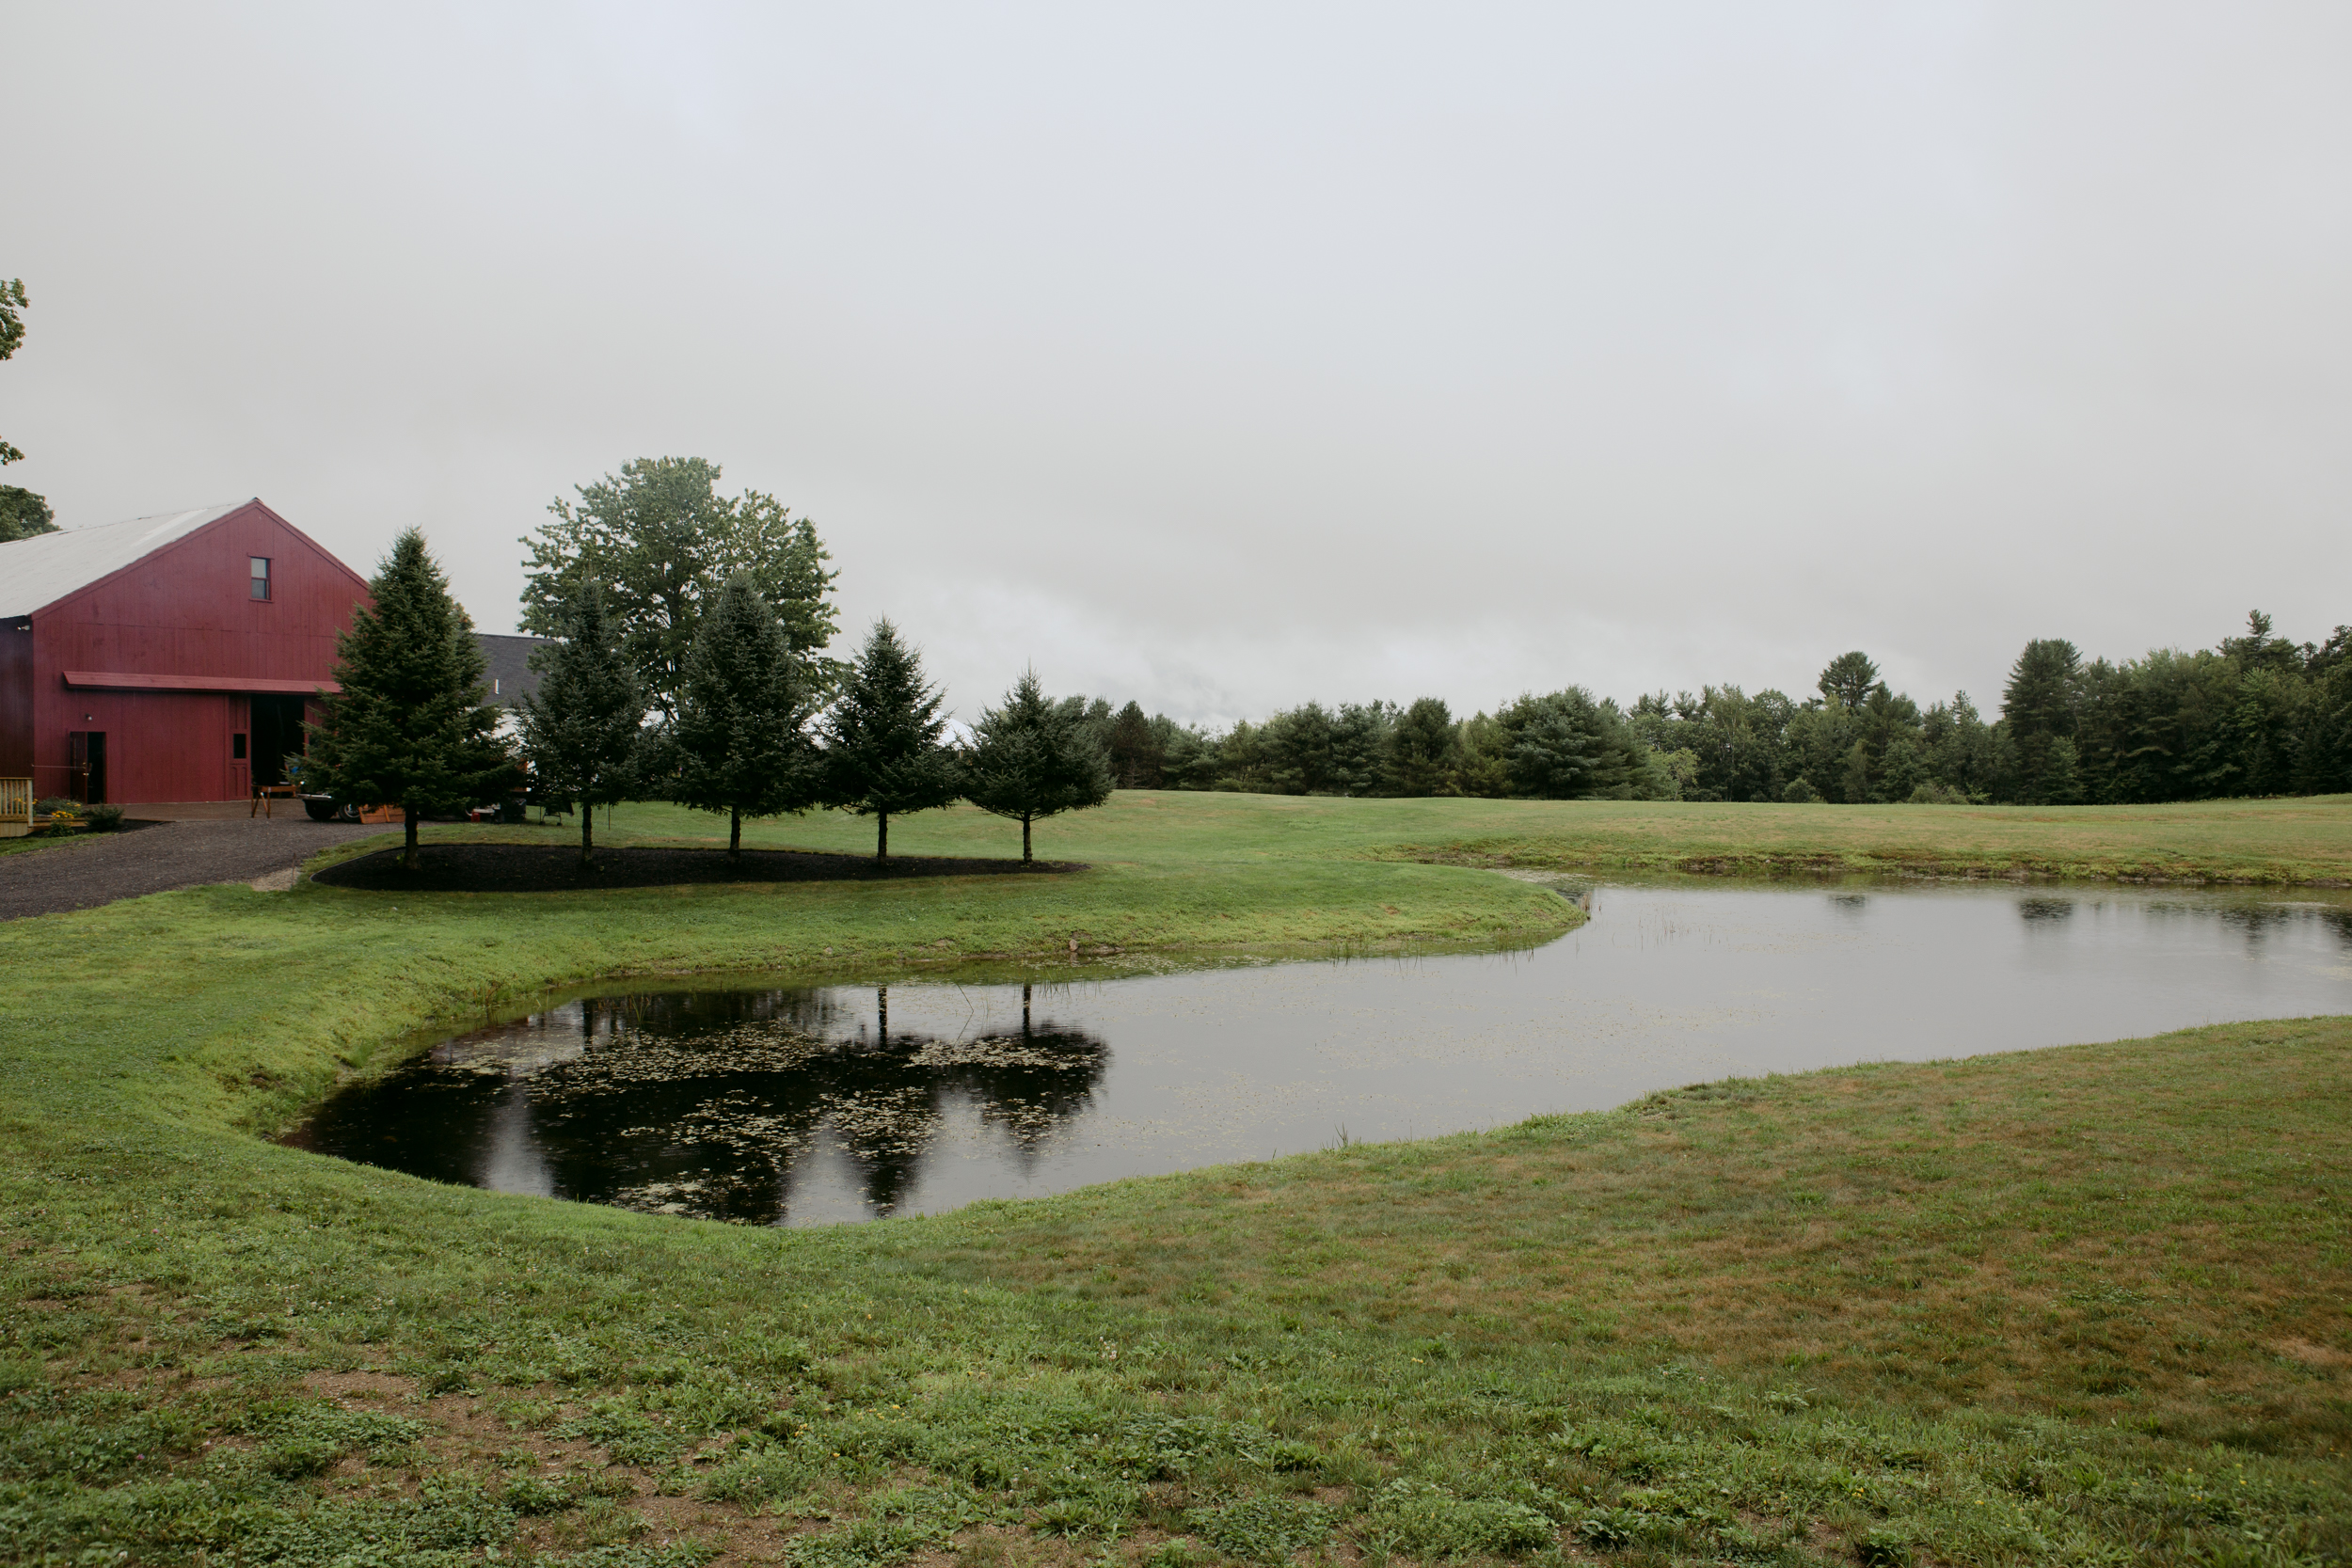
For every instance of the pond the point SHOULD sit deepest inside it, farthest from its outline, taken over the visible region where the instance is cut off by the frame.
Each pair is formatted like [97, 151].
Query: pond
[818, 1104]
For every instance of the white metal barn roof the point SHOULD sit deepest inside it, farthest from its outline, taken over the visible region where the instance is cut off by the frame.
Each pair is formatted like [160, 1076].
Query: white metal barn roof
[44, 569]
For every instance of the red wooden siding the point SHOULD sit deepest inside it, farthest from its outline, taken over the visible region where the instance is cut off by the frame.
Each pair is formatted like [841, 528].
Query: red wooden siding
[185, 615]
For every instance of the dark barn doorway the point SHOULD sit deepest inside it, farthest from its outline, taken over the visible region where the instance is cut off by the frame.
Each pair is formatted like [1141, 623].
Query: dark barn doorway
[277, 735]
[85, 767]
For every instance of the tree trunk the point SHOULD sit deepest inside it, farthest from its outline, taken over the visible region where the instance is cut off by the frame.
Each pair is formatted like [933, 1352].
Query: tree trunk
[408, 854]
[1024, 841]
[881, 835]
[734, 836]
[587, 836]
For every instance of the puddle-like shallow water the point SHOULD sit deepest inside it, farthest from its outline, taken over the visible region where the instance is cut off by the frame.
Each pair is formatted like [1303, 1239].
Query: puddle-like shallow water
[814, 1105]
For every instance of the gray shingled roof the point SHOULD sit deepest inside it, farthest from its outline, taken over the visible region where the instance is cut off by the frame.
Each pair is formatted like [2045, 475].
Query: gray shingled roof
[509, 674]
[38, 572]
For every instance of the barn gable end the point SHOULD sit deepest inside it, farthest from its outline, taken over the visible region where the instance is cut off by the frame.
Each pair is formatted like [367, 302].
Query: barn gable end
[144, 665]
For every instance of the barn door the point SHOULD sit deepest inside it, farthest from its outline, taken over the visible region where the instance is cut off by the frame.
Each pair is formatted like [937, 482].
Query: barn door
[277, 736]
[240, 769]
[85, 767]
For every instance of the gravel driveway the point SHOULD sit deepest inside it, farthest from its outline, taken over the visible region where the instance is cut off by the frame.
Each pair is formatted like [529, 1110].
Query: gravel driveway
[102, 867]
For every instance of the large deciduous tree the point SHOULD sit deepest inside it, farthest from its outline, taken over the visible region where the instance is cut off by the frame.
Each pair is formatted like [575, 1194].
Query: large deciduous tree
[664, 543]
[883, 753]
[408, 727]
[1032, 758]
[584, 729]
[741, 743]
[22, 513]
[12, 303]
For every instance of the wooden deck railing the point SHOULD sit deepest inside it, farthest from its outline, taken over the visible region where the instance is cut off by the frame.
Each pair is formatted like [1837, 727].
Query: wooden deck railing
[16, 807]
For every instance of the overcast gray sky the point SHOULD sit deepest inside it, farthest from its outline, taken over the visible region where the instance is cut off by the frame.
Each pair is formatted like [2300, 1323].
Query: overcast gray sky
[1227, 356]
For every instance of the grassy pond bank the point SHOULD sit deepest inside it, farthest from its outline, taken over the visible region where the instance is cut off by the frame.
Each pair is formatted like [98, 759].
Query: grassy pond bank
[2081, 1305]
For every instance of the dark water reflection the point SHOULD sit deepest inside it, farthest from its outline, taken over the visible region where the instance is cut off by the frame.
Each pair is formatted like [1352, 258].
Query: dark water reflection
[820, 1104]
[719, 1103]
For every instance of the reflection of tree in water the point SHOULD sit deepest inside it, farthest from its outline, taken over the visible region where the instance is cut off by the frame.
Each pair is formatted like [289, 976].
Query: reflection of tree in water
[704, 1104]
[2258, 922]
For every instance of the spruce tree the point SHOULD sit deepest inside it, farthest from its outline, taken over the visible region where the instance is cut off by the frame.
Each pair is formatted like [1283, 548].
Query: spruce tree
[2039, 706]
[883, 752]
[584, 728]
[409, 727]
[1033, 758]
[741, 744]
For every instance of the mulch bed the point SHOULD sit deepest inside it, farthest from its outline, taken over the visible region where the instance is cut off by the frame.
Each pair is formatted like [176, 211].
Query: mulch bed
[555, 868]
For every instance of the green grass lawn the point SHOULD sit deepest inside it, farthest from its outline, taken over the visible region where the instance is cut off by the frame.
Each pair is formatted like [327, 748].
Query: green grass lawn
[2078, 1306]
[2305, 840]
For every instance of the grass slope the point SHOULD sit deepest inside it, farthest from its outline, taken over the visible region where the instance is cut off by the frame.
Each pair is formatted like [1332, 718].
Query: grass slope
[2076, 1306]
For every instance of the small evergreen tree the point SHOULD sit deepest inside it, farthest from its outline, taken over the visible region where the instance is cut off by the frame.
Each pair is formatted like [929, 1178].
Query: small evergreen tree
[741, 744]
[883, 752]
[1032, 758]
[581, 730]
[409, 728]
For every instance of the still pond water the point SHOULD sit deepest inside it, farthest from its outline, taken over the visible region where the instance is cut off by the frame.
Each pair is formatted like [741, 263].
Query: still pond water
[814, 1105]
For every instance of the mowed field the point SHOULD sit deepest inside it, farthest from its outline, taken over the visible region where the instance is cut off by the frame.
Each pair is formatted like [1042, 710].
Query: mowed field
[2306, 840]
[2091, 1304]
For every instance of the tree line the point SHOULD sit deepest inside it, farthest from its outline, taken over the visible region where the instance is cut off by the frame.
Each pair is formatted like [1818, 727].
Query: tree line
[2255, 715]
[686, 664]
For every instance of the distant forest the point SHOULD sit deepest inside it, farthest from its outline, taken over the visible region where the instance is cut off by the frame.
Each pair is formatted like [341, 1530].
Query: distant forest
[2257, 715]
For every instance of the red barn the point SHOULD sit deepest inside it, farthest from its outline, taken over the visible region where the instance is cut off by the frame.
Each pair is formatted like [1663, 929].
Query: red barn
[167, 657]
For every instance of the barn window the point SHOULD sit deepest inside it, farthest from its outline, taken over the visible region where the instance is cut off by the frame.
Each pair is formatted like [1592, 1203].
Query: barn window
[261, 576]
[237, 747]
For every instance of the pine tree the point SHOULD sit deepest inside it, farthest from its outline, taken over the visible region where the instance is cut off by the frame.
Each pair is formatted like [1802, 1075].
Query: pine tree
[883, 753]
[409, 728]
[741, 744]
[1848, 679]
[2039, 707]
[1423, 748]
[1557, 749]
[1134, 750]
[1032, 758]
[582, 730]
